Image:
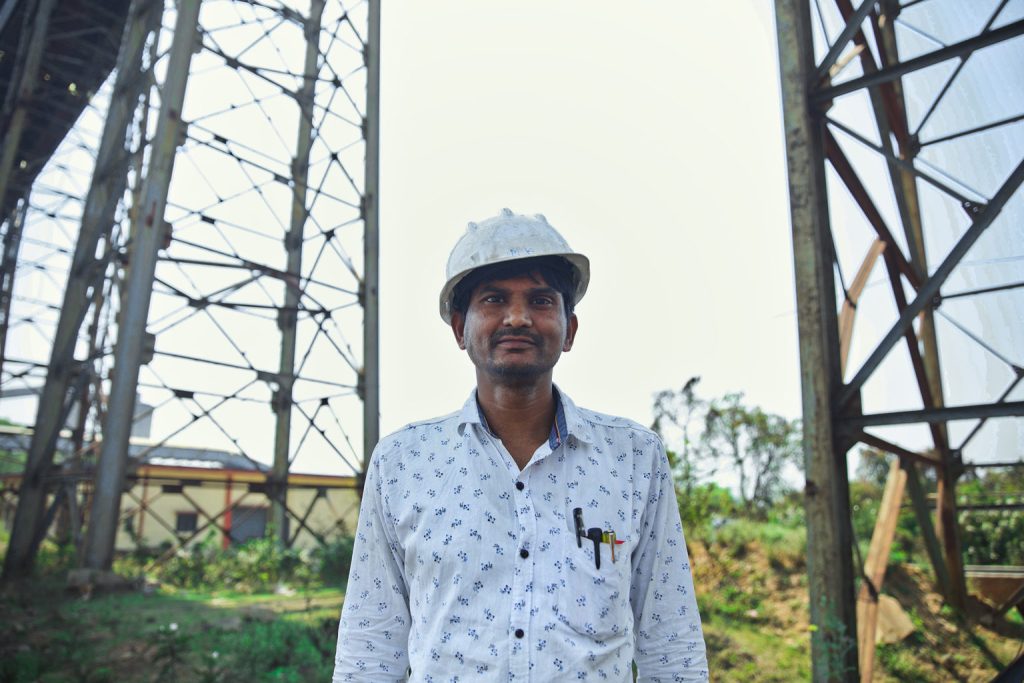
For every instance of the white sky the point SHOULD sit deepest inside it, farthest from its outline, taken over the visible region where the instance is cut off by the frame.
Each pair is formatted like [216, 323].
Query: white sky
[649, 134]
[650, 137]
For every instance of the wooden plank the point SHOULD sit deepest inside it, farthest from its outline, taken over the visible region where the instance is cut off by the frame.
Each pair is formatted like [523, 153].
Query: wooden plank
[853, 292]
[875, 566]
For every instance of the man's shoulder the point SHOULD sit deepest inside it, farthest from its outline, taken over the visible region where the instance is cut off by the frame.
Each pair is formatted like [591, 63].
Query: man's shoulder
[418, 431]
[615, 423]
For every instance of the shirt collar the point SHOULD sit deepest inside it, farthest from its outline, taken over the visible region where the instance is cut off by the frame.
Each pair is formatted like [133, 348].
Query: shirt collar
[568, 419]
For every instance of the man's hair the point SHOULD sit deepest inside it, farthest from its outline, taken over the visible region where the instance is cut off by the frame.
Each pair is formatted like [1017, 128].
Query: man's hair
[556, 271]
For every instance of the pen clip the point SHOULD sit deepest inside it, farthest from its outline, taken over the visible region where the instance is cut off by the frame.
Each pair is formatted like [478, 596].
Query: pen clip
[596, 535]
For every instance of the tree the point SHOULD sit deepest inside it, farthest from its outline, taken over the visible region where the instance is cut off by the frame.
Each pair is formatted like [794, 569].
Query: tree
[705, 435]
[676, 415]
[758, 446]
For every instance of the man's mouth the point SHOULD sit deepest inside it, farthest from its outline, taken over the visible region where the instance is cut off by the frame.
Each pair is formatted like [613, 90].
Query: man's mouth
[515, 340]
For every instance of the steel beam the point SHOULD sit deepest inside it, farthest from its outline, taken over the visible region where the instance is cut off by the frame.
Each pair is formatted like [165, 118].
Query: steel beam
[370, 376]
[930, 289]
[293, 243]
[919, 501]
[895, 71]
[903, 164]
[937, 415]
[924, 355]
[34, 46]
[84, 279]
[8, 270]
[829, 541]
[149, 235]
[852, 27]
[860, 195]
[882, 444]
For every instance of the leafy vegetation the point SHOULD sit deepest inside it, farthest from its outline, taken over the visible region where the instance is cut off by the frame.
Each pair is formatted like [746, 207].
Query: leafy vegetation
[993, 536]
[258, 565]
[748, 548]
[755, 446]
[266, 614]
[51, 637]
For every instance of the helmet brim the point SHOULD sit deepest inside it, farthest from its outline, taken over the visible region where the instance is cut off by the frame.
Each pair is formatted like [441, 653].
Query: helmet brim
[581, 276]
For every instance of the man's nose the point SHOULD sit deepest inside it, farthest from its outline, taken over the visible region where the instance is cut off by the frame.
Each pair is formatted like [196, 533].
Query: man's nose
[517, 314]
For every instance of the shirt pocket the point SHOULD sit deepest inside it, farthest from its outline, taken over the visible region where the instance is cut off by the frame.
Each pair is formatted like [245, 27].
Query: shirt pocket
[591, 601]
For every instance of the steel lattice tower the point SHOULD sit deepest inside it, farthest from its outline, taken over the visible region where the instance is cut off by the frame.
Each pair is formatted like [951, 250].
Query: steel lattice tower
[873, 171]
[219, 259]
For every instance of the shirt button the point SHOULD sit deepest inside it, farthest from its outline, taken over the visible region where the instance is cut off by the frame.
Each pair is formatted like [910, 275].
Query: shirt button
[520, 633]
[524, 553]
[520, 485]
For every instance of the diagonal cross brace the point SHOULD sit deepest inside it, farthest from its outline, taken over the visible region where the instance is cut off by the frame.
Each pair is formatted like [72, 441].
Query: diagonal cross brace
[852, 27]
[891, 73]
[930, 289]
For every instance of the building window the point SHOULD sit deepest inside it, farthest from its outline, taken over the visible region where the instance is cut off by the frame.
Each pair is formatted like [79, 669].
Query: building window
[187, 522]
[248, 523]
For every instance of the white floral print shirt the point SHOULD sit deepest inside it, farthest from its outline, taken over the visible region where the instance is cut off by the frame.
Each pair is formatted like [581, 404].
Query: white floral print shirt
[467, 569]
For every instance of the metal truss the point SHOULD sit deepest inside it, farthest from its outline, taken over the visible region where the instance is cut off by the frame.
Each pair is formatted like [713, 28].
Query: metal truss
[219, 261]
[901, 148]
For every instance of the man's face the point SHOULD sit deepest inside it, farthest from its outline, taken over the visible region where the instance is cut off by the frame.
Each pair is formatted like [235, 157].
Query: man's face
[514, 330]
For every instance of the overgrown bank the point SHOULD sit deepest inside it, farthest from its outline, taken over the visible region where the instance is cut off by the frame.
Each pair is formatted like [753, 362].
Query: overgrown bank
[266, 615]
[752, 589]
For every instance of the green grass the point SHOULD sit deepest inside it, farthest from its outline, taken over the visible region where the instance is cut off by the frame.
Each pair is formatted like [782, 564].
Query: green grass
[899, 662]
[780, 543]
[50, 637]
[743, 652]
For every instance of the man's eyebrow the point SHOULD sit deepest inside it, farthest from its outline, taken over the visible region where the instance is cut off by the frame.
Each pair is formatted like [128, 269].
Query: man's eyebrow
[495, 289]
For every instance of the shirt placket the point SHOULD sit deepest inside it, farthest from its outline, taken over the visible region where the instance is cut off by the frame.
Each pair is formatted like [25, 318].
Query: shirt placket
[520, 626]
[523, 577]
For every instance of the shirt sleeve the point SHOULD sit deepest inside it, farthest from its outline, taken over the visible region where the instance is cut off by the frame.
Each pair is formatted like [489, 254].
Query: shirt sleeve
[669, 639]
[374, 631]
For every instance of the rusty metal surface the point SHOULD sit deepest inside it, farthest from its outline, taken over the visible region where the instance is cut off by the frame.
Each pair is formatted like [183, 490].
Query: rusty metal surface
[81, 49]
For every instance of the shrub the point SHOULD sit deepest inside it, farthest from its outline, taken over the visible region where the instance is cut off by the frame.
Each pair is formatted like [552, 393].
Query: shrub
[332, 561]
[993, 536]
[780, 543]
[702, 505]
[279, 651]
[258, 565]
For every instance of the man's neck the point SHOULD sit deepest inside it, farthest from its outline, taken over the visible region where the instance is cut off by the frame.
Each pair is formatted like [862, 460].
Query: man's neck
[521, 416]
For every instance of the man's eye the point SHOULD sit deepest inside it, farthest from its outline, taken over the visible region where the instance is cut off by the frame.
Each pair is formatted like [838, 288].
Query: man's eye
[543, 301]
[492, 299]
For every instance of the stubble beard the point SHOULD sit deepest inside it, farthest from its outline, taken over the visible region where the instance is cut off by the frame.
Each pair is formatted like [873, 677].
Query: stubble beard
[513, 374]
[516, 375]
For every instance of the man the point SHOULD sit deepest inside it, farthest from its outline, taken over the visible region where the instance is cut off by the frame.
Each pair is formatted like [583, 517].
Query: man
[521, 538]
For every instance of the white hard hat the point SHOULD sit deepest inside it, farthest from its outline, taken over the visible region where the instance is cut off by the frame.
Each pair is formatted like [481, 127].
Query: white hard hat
[508, 237]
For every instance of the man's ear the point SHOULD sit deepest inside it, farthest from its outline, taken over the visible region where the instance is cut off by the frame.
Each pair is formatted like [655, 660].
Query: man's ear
[459, 328]
[570, 332]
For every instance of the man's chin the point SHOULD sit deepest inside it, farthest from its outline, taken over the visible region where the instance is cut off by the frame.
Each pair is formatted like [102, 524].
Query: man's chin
[518, 373]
